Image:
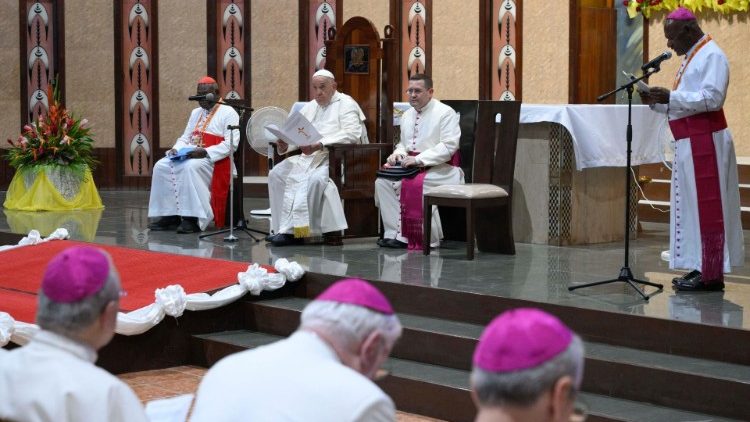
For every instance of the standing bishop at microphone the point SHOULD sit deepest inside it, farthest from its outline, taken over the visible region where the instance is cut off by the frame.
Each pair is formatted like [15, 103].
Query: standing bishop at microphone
[189, 186]
[705, 225]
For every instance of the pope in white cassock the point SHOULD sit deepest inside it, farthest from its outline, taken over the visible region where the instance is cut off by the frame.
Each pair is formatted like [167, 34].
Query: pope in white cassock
[53, 377]
[304, 200]
[430, 135]
[189, 192]
[705, 223]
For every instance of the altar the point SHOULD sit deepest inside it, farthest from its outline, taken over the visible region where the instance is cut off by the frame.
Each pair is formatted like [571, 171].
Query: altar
[569, 185]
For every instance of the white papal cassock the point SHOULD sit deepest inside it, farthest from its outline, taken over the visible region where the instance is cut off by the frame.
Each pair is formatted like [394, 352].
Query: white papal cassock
[304, 200]
[296, 379]
[702, 88]
[183, 187]
[54, 379]
[434, 133]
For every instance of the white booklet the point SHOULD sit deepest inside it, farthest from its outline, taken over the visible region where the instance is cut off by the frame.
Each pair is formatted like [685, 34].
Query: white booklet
[174, 409]
[640, 85]
[297, 130]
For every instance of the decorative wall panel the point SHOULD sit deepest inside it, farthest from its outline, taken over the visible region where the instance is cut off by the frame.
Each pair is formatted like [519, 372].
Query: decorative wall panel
[413, 21]
[317, 17]
[41, 55]
[136, 76]
[229, 47]
[500, 50]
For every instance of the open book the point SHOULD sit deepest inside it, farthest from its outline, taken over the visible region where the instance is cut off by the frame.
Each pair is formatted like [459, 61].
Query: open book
[297, 130]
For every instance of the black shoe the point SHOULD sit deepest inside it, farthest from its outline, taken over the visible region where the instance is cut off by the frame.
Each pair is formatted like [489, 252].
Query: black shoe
[284, 239]
[697, 284]
[189, 225]
[165, 223]
[269, 237]
[391, 243]
[688, 276]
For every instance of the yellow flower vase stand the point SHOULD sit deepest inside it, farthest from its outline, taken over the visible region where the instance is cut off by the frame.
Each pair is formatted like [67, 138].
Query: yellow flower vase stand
[52, 188]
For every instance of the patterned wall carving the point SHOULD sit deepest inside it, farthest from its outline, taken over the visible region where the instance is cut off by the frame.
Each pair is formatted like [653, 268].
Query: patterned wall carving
[414, 24]
[41, 59]
[229, 47]
[500, 50]
[137, 104]
[316, 18]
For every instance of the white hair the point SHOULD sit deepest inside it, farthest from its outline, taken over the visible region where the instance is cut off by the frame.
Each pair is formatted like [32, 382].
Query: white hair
[350, 324]
[68, 319]
[522, 388]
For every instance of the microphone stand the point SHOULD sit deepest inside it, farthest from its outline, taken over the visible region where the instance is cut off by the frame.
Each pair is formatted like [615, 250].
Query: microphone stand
[626, 275]
[242, 224]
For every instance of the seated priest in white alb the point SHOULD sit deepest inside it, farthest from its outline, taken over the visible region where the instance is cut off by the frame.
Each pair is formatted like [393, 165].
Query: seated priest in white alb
[304, 200]
[430, 134]
[53, 377]
[189, 186]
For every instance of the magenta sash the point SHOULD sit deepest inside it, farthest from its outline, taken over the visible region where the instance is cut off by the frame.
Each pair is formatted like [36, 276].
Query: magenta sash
[699, 129]
[412, 209]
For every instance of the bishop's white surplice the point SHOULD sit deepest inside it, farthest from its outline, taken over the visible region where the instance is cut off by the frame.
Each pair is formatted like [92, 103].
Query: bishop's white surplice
[296, 379]
[53, 378]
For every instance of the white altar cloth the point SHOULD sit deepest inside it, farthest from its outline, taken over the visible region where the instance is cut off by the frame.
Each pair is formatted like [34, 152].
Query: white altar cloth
[599, 131]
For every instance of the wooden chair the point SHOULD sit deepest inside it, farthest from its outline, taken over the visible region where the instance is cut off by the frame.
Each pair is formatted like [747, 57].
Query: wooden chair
[492, 182]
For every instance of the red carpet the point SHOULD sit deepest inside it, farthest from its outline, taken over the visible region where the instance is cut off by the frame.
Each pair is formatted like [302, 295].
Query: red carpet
[141, 273]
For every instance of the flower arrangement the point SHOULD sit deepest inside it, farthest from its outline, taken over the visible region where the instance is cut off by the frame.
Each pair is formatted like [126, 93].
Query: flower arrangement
[646, 7]
[54, 139]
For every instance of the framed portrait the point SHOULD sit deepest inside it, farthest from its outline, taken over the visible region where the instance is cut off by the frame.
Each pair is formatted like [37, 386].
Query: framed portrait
[356, 58]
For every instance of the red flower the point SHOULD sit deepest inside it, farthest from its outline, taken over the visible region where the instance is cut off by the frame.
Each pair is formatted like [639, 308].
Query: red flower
[625, 2]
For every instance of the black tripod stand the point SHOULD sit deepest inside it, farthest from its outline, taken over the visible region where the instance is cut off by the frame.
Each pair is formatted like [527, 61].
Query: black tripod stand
[626, 275]
[241, 224]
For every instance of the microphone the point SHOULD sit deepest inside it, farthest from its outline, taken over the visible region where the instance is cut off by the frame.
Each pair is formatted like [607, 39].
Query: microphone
[656, 61]
[210, 97]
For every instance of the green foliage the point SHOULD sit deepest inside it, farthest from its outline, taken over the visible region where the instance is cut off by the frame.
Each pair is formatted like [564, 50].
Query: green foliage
[55, 139]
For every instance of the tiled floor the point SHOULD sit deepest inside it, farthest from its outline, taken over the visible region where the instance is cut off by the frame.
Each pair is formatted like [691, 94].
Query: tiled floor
[537, 272]
[170, 382]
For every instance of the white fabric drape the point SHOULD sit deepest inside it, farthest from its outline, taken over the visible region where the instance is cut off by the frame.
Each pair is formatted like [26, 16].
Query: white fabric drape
[170, 300]
[598, 131]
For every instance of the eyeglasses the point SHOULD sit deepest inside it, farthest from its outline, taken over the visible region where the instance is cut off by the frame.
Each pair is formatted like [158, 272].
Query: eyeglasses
[411, 91]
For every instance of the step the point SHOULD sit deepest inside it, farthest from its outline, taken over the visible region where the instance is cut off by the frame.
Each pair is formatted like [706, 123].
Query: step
[616, 371]
[442, 393]
[663, 335]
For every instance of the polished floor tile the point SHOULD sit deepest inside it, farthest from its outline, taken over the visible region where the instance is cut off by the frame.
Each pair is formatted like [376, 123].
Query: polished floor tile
[537, 272]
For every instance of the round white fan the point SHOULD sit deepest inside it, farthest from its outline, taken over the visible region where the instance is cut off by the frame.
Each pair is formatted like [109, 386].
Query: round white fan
[260, 138]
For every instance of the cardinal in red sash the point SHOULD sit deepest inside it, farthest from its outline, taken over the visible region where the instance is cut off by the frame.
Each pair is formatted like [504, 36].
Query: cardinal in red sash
[189, 186]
